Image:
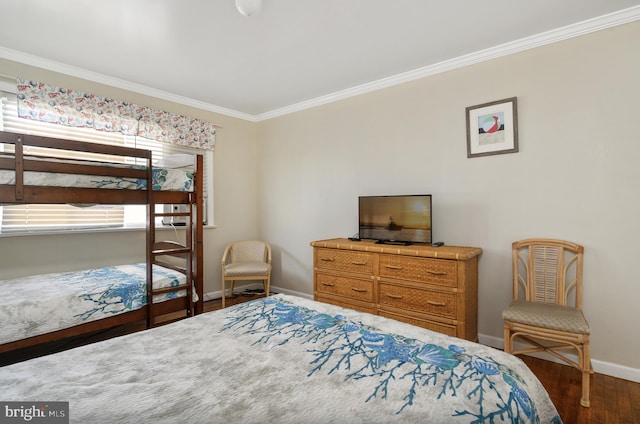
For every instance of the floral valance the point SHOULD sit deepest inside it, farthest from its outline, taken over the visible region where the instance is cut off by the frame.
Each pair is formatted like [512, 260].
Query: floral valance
[44, 102]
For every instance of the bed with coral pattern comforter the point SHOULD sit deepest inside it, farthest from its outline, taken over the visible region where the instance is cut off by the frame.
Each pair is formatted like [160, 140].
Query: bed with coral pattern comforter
[284, 359]
[35, 305]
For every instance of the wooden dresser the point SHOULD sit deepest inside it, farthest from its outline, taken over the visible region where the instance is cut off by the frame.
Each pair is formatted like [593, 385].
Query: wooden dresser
[431, 287]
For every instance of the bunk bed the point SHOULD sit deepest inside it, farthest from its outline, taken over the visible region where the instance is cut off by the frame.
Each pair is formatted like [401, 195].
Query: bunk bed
[173, 272]
[283, 359]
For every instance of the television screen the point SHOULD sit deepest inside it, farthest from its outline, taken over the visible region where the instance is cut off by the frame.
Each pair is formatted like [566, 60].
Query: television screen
[395, 219]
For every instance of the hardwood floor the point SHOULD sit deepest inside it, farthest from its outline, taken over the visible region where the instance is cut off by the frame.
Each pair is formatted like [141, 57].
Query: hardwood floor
[216, 304]
[613, 400]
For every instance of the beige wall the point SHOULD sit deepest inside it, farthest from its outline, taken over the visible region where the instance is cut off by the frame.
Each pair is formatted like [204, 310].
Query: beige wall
[294, 179]
[576, 176]
[234, 180]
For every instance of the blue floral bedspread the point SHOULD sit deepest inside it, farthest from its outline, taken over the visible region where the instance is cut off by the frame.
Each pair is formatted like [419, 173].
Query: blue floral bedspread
[285, 359]
[36, 305]
[403, 370]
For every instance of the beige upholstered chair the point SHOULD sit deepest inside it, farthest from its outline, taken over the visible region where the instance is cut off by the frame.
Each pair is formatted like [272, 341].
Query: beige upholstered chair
[246, 260]
[546, 311]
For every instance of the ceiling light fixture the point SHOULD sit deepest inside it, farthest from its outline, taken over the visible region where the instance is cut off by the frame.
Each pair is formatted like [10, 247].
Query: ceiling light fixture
[249, 7]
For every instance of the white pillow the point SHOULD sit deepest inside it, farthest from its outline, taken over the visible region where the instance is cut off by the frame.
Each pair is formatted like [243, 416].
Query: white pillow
[179, 160]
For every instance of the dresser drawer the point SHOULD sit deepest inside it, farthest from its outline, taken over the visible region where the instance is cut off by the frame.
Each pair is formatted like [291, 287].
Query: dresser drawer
[434, 271]
[419, 300]
[344, 261]
[352, 288]
[449, 330]
[345, 303]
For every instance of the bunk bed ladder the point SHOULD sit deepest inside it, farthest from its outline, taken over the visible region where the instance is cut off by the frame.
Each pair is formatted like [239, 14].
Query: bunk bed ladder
[186, 258]
[164, 253]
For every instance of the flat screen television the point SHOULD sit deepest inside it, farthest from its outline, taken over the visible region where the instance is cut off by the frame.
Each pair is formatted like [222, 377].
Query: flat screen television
[395, 219]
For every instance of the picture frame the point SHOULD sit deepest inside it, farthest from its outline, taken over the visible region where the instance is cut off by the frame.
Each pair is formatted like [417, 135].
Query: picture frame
[492, 128]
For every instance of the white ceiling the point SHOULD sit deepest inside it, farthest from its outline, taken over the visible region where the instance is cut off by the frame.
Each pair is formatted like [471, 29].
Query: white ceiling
[294, 53]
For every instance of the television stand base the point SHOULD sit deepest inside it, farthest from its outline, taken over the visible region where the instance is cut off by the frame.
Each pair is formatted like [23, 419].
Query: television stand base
[399, 243]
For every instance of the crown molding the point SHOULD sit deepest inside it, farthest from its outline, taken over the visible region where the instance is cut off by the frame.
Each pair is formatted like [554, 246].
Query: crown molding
[575, 30]
[97, 77]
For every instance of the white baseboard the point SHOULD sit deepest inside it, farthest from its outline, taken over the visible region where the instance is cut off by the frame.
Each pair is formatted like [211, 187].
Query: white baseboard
[218, 294]
[601, 367]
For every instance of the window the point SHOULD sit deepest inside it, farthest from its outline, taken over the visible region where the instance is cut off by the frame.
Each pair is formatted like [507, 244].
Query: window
[36, 218]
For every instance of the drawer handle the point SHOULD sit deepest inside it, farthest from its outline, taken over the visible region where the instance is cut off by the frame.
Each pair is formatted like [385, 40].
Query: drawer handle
[359, 290]
[394, 296]
[431, 302]
[327, 284]
[395, 267]
[358, 263]
[327, 259]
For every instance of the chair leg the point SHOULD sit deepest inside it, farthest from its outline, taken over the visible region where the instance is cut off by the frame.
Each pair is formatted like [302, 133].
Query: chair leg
[267, 287]
[223, 292]
[507, 340]
[231, 284]
[586, 375]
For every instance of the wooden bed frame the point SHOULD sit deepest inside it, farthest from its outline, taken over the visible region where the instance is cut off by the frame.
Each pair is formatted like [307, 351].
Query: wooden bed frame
[157, 252]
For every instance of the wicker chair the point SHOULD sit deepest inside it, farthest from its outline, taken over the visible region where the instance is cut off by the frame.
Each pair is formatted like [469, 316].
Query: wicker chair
[547, 313]
[246, 260]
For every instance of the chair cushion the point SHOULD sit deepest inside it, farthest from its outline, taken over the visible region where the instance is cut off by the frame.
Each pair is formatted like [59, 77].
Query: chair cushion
[561, 318]
[248, 250]
[246, 268]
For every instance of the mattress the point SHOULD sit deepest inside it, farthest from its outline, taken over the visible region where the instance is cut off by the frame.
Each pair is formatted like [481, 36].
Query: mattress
[36, 305]
[163, 178]
[284, 359]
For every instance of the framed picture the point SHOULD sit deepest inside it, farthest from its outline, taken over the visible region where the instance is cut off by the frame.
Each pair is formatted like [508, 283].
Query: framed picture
[492, 128]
